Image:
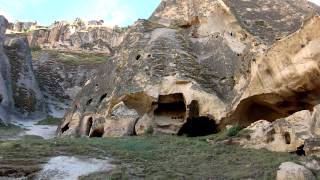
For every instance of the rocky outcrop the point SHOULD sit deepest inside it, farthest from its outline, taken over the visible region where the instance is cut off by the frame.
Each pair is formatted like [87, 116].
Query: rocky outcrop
[61, 76]
[285, 135]
[283, 80]
[65, 55]
[6, 101]
[297, 133]
[266, 20]
[20, 94]
[27, 96]
[196, 67]
[79, 36]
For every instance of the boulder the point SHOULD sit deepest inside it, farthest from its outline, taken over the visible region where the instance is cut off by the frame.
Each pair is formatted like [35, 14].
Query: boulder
[122, 121]
[285, 135]
[293, 171]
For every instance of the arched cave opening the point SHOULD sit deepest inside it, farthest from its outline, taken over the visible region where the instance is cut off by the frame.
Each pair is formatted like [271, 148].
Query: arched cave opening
[300, 151]
[89, 125]
[199, 126]
[268, 107]
[89, 102]
[65, 128]
[171, 107]
[287, 138]
[98, 132]
[138, 57]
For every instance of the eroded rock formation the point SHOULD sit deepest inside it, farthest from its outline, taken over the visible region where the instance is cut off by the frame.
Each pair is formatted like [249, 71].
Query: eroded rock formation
[195, 67]
[20, 96]
[287, 134]
[61, 76]
[78, 36]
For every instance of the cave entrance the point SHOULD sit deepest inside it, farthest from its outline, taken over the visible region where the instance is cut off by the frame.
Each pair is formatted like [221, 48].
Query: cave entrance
[89, 125]
[65, 128]
[268, 107]
[170, 107]
[198, 126]
[98, 132]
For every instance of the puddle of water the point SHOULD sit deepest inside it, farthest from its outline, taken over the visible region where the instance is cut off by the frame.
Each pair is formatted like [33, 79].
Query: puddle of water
[44, 131]
[70, 168]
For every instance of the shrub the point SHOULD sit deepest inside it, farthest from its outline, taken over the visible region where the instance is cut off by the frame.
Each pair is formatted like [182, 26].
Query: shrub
[234, 130]
[149, 130]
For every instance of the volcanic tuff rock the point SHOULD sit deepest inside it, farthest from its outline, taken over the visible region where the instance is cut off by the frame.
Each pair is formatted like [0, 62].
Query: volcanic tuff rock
[197, 66]
[285, 134]
[65, 55]
[290, 170]
[79, 36]
[61, 75]
[5, 88]
[20, 94]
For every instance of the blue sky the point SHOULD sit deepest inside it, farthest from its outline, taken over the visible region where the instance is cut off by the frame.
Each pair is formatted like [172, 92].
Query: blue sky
[113, 12]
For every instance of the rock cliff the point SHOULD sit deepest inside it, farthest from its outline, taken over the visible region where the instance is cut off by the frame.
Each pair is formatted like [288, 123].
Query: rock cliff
[61, 76]
[195, 67]
[78, 36]
[20, 96]
[65, 55]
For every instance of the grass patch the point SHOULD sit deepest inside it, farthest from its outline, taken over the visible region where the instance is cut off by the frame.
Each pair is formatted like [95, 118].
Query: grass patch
[77, 58]
[10, 130]
[234, 130]
[158, 157]
[52, 121]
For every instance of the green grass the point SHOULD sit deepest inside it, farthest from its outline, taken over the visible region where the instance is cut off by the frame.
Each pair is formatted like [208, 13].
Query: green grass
[77, 58]
[10, 130]
[50, 121]
[159, 157]
[234, 130]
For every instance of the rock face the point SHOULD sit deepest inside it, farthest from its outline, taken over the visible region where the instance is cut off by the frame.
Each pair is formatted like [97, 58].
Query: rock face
[26, 93]
[195, 67]
[20, 95]
[6, 100]
[61, 75]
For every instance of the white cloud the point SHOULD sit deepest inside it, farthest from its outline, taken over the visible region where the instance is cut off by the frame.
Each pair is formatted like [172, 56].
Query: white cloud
[315, 1]
[113, 12]
[8, 16]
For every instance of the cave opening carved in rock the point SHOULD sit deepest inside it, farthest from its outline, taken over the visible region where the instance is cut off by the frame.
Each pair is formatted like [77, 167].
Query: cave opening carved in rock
[89, 125]
[97, 132]
[170, 108]
[103, 97]
[199, 126]
[65, 128]
[268, 107]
